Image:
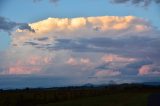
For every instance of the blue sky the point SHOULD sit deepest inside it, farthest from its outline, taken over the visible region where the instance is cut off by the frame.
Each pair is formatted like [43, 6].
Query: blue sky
[28, 11]
[102, 40]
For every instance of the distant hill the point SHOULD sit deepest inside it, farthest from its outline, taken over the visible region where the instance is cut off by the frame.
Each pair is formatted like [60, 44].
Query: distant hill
[152, 83]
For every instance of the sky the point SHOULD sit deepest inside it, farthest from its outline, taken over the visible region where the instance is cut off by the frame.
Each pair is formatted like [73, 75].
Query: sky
[46, 43]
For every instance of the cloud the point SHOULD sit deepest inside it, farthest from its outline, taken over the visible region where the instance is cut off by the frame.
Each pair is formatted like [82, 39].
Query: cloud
[31, 65]
[35, 60]
[103, 47]
[81, 61]
[103, 26]
[117, 62]
[103, 23]
[107, 73]
[115, 58]
[8, 26]
[148, 70]
[136, 2]
[23, 70]
[134, 47]
[72, 61]
[85, 61]
[26, 27]
[25, 60]
[126, 53]
[112, 61]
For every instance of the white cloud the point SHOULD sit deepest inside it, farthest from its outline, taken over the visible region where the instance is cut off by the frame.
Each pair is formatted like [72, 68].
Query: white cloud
[79, 61]
[72, 61]
[106, 26]
[116, 58]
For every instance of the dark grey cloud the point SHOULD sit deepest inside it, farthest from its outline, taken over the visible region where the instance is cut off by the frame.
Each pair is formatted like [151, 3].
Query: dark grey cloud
[8, 26]
[146, 49]
[136, 2]
[137, 65]
[31, 43]
[26, 27]
[104, 66]
[42, 39]
[131, 46]
[132, 68]
[140, 47]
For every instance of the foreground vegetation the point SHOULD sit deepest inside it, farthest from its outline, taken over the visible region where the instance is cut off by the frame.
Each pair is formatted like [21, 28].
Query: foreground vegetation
[118, 99]
[113, 95]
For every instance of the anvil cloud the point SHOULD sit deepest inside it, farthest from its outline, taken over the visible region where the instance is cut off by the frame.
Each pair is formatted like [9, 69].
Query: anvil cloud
[102, 26]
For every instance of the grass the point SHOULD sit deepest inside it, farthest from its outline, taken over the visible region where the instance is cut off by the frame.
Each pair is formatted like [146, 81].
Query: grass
[116, 99]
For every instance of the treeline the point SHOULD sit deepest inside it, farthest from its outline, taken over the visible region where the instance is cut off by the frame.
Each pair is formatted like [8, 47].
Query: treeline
[33, 97]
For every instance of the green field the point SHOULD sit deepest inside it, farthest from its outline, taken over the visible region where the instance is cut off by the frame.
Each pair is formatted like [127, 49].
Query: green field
[118, 99]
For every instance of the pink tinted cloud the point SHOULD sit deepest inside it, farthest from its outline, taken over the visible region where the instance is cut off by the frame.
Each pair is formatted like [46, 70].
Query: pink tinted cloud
[80, 61]
[117, 58]
[144, 70]
[31, 65]
[23, 70]
[85, 61]
[107, 73]
[148, 70]
[72, 61]
[34, 60]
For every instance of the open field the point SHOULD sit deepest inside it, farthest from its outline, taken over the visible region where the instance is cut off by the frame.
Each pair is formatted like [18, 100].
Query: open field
[120, 95]
[119, 99]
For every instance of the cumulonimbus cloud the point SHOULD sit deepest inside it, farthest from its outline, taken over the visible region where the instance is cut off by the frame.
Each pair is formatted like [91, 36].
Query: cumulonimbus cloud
[102, 23]
[116, 43]
[106, 26]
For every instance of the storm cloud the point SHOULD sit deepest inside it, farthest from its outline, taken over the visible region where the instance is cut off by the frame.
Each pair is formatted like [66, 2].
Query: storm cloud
[104, 47]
